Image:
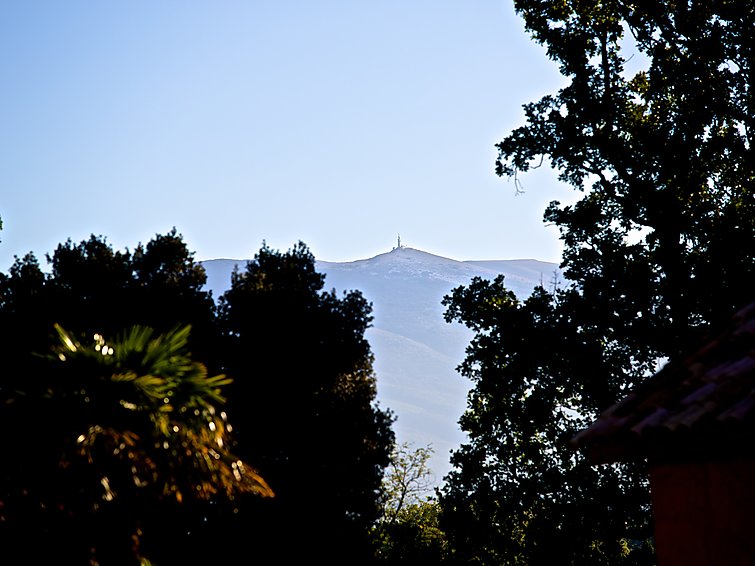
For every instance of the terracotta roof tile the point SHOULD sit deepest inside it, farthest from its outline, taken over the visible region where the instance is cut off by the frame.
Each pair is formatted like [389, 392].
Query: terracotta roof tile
[714, 387]
[740, 410]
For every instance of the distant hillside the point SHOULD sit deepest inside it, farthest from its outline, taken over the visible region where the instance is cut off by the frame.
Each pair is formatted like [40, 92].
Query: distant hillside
[416, 351]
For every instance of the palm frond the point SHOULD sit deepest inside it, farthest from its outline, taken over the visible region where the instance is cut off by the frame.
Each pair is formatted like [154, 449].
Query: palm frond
[162, 427]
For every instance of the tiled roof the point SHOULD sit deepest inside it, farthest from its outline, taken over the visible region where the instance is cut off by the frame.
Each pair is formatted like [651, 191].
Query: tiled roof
[702, 404]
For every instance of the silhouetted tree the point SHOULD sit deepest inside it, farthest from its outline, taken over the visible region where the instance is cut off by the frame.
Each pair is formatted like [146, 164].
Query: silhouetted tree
[660, 247]
[303, 373]
[93, 289]
[158, 285]
[170, 290]
[517, 493]
[305, 378]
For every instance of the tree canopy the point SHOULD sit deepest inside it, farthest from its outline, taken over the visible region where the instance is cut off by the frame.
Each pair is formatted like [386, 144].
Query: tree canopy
[122, 442]
[303, 373]
[91, 288]
[409, 531]
[659, 248]
[663, 157]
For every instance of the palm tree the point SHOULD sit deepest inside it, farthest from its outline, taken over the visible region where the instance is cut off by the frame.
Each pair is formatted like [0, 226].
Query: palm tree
[120, 436]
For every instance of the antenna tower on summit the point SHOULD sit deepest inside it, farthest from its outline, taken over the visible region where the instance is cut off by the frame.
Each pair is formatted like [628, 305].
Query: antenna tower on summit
[399, 246]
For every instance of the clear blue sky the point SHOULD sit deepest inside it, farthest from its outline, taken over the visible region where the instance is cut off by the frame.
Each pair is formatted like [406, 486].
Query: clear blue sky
[339, 123]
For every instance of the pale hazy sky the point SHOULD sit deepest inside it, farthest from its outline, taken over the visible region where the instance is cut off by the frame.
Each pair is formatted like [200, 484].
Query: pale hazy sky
[339, 123]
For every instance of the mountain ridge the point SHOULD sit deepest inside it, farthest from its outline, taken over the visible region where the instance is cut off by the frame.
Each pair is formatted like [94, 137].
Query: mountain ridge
[416, 351]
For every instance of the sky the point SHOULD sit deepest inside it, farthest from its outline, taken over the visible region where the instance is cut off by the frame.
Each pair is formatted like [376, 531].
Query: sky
[338, 123]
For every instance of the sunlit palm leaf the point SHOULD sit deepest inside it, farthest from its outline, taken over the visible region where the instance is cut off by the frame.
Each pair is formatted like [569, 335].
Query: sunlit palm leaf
[163, 429]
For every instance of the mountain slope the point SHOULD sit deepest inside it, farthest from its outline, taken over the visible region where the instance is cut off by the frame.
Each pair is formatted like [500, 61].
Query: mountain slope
[416, 351]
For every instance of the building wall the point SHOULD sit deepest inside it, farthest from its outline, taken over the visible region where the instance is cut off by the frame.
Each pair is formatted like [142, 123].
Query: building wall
[704, 513]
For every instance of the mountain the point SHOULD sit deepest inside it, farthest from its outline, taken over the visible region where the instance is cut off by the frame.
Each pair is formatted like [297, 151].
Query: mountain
[416, 351]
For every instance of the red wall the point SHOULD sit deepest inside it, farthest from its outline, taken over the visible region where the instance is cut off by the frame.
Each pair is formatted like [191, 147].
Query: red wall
[704, 513]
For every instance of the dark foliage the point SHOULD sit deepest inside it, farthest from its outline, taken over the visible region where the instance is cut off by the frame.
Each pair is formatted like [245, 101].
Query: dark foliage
[105, 437]
[89, 290]
[660, 247]
[304, 402]
[93, 289]
[303, 374]
[518, 493]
